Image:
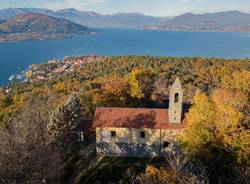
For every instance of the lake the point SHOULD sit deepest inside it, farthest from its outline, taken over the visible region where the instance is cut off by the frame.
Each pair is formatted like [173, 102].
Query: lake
[17, 56]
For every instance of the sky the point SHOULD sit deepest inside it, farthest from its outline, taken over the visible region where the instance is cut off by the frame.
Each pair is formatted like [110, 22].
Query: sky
[149, 7]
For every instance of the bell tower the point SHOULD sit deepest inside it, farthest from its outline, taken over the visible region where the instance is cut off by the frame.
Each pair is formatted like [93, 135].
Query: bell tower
[175, 102]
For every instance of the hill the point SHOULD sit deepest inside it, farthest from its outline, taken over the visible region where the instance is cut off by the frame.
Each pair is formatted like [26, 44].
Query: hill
[221, 21]
[218, 140]
[89, 18]
[33, 26]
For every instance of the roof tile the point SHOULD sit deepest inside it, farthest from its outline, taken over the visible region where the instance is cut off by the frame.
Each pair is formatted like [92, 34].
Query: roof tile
[133, 118]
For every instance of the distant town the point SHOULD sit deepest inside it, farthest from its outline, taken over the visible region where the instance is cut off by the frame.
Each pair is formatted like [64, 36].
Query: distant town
[57, 68]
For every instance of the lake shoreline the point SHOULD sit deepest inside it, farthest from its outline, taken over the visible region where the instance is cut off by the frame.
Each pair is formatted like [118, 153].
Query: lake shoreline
[18, 56]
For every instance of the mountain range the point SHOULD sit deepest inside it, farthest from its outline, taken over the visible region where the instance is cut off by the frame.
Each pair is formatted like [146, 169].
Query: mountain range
[89, 18]
[229, 21]
[34, 26]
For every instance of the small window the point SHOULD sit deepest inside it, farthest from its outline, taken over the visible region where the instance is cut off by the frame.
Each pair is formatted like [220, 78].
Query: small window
[176, 97]
[113, 134]
[143, 135]
[166, 144]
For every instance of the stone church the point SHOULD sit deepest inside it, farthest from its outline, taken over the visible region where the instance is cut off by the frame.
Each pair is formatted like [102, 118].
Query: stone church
[141, 132]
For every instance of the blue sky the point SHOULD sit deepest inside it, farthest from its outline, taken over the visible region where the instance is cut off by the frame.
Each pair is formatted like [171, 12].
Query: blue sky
[150, 7]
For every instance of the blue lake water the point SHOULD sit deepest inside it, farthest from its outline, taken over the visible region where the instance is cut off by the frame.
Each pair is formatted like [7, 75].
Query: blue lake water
[17, 56]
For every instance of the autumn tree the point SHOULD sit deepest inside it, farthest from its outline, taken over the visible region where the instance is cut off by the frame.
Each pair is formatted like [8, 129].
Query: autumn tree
[216, 132]
[237, 81]
[109, 91]
[141, 84]
[230, 129]
[178, 169]
[200, 125]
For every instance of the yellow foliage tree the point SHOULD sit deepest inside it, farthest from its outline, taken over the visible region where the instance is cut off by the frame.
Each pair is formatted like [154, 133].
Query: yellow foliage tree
[218, 124]
[60, 87]
[239, 81]
[200, 130]
[161, 175]
[230, 130]
[140, 82]
[135, 89]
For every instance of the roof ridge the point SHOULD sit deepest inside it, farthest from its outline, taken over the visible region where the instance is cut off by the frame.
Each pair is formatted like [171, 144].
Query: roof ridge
[131, 108]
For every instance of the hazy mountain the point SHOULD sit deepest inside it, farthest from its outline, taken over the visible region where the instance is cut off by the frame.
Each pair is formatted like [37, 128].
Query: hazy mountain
[90, 19]
[38, 26]
[8, 13]
[222, 18]
[221, 21]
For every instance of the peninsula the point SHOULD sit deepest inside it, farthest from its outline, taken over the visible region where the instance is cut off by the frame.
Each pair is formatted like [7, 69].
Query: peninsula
[34, 26]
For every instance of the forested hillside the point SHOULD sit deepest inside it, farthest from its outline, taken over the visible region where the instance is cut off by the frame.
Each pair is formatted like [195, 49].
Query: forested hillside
[33, 26]
[38, 138]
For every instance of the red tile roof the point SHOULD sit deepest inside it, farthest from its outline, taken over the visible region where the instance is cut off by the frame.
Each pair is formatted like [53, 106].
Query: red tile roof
[133, 118]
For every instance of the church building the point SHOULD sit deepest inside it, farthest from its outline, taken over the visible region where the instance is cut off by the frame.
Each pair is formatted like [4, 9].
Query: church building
[144, 132]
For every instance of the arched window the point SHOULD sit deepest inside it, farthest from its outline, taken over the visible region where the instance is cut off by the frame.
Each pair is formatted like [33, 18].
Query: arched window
[176, 97]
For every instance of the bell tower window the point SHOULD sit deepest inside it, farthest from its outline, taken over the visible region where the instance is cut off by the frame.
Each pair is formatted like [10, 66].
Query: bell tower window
[176, 97]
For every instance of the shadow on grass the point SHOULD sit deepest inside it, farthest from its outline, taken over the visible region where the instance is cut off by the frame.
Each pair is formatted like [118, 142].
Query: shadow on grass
[113, 169]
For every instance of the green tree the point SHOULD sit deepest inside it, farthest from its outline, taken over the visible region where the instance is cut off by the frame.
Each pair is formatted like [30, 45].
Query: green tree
[64, 125]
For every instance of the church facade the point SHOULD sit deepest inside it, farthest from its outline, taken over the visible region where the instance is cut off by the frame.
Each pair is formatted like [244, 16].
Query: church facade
[143, 132]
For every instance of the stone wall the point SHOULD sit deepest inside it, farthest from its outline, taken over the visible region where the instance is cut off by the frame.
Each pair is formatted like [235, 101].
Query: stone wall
[128, 141]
